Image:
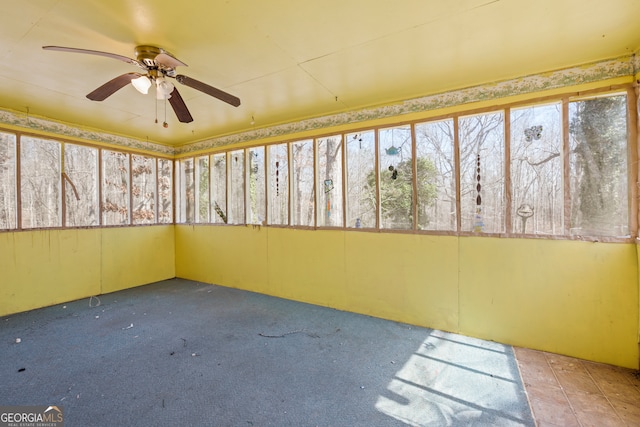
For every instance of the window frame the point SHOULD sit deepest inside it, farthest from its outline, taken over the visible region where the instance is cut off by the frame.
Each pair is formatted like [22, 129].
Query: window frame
[177, 198]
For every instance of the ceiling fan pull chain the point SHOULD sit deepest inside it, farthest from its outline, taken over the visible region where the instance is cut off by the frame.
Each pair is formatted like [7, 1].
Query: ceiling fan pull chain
[165, 124]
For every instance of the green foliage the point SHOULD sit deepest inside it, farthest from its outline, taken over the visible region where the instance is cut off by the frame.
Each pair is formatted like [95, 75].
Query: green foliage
[396, 195]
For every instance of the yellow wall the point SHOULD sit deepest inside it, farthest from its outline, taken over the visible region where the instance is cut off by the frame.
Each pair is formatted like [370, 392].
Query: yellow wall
[45, 267]
[569, 297]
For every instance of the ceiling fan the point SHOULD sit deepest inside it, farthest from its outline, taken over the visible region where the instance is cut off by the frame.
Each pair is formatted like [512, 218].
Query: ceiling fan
[157, 65]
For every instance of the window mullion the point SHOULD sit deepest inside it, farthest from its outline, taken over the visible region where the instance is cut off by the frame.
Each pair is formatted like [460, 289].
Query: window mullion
[566, 162]
[507, 173]
[458, 168]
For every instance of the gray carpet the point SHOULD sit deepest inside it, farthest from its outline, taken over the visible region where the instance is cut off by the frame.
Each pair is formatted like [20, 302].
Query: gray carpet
[185, 353]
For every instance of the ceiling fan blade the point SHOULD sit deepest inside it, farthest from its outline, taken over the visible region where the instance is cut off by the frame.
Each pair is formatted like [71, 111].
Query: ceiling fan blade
[209, 90]
[179, 107]
[96, 52]
[168, 60]
[110, 87]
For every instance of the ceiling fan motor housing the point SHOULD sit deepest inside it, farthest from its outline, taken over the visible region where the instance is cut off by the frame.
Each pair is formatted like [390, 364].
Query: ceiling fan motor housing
[147, 54]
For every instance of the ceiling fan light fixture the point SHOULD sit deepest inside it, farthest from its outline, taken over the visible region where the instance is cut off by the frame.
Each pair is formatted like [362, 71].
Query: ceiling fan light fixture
[156, 64]
[163, 89]
[142, 84]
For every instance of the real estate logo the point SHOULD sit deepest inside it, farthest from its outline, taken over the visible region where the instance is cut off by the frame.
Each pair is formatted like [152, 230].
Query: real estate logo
[31, 416]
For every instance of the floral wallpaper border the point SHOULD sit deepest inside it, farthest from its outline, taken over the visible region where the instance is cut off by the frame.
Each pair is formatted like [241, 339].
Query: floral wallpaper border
[619, 67]
[43, 125]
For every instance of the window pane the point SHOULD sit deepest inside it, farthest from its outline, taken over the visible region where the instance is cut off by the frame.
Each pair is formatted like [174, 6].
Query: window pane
[257, 191]
[186, 186]
[8, 204]
[396, 178]
[81, 187]
[436, 176]
[302, 199]
[482, 172]
[202, 189]
[165, 191]
[278, 184]
[598, 174]
[115, 188]
[236, 191]
[536, 170]
[40, 183]
[219, 188]
[143, 189]
[362, 196]
[330, 182]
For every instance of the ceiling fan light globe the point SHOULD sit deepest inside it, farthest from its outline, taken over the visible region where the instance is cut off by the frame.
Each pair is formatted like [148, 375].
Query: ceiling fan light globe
[142, 84]
[163, 89]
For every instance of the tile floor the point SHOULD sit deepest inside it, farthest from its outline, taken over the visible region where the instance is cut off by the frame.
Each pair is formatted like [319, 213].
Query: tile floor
[568, 392]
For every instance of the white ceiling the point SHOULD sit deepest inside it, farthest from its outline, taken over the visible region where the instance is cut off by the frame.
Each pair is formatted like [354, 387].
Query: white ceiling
[288, 60]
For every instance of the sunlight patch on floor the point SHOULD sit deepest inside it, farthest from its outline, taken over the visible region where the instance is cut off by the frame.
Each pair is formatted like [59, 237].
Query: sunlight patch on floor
[455, 380]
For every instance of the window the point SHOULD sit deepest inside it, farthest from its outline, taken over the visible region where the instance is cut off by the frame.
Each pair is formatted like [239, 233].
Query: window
[278, 189]
[8, 201]
[256, 203]
[302, 183]
[81, 186]
[219, 188]
[236, 189]
[165, 191]
[362, 198]
[482, 172]
[202, 189]
[445, 175]
[536, 170]
[115, 188]
[143, 189]
[40, 183]
[395, 178]
[436, 175]
[599, 166]
[568, 175]
[329, 183]
[186, 184]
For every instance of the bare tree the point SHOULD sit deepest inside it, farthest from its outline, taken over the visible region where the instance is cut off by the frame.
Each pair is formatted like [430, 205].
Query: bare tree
[435, 142]
[81, 185]
[278, 184]
[482, 140]
[302, 182]
[115, 187]
[40, 182]
[165, 191]
[361, 159]
[536, 169]
[8, 201]
[236, 192]
[329, 184]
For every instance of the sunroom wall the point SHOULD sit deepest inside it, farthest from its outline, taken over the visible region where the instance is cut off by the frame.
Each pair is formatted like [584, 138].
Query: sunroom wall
[566, 296]
[570, 297]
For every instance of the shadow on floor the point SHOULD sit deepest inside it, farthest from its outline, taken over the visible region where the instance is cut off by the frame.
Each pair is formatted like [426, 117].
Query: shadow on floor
[185, 353]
